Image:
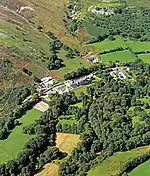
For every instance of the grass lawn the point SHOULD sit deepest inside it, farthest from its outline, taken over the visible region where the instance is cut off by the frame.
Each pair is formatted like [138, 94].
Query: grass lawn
[112, 165]
[145, 99]
[78, 105]
[145, 57]
[80, 89]
[93, 30]
[107, 44]
[138, 46]
[143, 169]
[69, 122]
[66, 119]
[14, 144]
[70, 64]
[122, 56]
[135, 119]
[143, 3]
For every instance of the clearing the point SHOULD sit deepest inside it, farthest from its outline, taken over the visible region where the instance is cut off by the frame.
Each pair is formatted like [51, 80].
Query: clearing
[69, 64]
[138, 46]
[122, 56]
[107, 44]
[66, 142]
[142, 169]
[145, 57]
[112, 165]
[41, 106]
[15, 142]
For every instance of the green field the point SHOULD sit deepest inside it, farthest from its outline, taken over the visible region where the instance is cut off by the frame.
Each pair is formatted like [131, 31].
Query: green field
[80, 89]
[136, 118]
[69, 122]
[122, 56]
[112, 165]
[93, 30]
[78, 105]
[66, 119]
[14, 144]
[143, 169]
[145, 57]
[138, 46]
[107, 44]
[70, 64]
[141, 3]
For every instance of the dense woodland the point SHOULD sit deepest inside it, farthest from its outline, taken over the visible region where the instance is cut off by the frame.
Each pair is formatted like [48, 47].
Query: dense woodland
[128, 22]
[104, 122]
[109, 121]
[132, 23]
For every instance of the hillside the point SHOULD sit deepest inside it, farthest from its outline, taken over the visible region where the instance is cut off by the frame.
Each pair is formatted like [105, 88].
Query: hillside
[23, 28]
[74, 87]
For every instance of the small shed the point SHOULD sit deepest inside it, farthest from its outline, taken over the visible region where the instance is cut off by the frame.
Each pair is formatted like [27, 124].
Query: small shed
[91, 59]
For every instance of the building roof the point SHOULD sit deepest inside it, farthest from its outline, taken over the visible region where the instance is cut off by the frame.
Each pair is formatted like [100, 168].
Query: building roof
[91, 59]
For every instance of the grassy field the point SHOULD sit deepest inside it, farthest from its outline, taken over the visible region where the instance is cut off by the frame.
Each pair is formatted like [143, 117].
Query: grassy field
[143, 169]
[80, 89]
[141, 3]
[14, 144]
[136, 118]
[70, 64]
[112, 165]
[145, 99]
[93, 30]
[138, 46]
[107, 44]
[145, 57]
[122, 56]
[78, 105]
[66, 143]
[69, 122]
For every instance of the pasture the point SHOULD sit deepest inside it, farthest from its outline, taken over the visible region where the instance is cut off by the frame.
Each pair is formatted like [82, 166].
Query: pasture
[15, 142]
[138, 46]
[107, 44]
[145, 57]
[69, 64]
[136, 117]
[122, 56]
[92, 30]
[142, 3]
[112, 165]
[50, 169]
[143, 169]
[65, 121]
[66, 142]
[80, 89]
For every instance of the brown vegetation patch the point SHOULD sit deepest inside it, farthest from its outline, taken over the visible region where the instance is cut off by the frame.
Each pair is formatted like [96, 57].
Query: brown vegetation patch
[50, 169]
[66, 142]
[41, 106]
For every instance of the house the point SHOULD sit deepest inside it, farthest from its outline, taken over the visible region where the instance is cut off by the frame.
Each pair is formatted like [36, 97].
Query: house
[93, 59]
[46, 81]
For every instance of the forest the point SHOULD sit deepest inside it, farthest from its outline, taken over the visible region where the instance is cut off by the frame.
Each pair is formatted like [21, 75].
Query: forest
[132, 23]
[108, 124]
